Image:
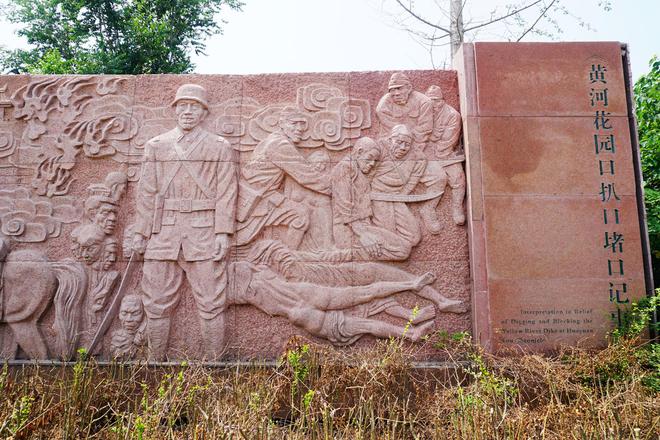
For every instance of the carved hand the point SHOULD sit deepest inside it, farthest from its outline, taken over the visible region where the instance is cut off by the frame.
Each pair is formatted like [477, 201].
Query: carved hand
[371, 243]
[139, 244]
[221, 246]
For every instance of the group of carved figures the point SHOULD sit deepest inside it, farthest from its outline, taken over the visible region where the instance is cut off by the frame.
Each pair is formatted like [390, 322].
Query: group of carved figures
[293, 234]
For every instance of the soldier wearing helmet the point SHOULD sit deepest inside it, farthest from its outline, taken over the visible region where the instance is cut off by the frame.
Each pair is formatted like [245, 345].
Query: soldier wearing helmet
[445, 167]
[403, 105]
[186, 203]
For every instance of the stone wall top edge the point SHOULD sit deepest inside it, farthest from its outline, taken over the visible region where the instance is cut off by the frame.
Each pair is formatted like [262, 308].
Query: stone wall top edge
[264, 74]
[545, 43]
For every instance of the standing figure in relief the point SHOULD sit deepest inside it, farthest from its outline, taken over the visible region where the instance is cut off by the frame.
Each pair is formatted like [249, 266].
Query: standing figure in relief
[444, 165]
[274, 159]
[397, 174]
[129, 338]
[352, 213]
[186, 203]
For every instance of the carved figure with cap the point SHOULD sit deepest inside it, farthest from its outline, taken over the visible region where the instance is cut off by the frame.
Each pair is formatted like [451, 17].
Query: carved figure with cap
[186, 203]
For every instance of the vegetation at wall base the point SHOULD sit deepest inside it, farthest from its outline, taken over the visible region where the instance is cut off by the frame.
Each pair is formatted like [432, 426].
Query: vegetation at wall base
[647, 108]
[319, 392]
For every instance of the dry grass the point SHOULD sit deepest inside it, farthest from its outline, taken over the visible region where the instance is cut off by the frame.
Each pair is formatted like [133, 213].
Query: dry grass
[318, 392]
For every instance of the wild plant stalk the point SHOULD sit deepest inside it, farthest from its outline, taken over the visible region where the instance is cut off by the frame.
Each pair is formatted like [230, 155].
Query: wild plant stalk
[323, 393]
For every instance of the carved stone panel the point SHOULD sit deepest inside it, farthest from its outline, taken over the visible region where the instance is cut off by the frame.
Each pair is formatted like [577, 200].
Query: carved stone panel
[214, 217]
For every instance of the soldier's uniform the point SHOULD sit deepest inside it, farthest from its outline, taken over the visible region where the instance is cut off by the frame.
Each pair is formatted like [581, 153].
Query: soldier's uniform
[186, 195]
[416, 113]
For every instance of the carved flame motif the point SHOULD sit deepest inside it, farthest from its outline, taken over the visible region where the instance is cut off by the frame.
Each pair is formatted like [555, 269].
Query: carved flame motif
[69, 98]
[99, 135]
[52, 178]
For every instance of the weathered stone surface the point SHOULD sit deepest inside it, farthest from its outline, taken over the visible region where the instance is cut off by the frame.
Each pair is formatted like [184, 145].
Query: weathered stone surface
[213, 217]
[557, 247]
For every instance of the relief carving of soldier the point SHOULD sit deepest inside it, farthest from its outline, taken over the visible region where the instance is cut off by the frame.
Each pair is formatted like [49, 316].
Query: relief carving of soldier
[275, 159]
[445, 167]
[186, 203]
[431, 122]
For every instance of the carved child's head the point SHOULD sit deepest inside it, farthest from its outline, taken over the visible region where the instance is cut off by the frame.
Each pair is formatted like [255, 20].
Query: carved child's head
[131, 313]
[89, 243]
[319, 159]
[109, 257]
[101, 211]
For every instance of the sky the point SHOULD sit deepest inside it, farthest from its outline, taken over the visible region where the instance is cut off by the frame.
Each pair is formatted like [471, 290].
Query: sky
[275, 36]
[354, 35]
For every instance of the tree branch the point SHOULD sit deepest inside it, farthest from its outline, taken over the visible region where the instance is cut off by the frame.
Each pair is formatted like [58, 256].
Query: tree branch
[537, 21]
[423, 20]
[504, 17]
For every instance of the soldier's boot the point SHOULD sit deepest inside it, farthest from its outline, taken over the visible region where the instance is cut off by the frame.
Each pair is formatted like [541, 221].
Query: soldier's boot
[457, 209]
[430, 216]
[158, 335]
[213, 337]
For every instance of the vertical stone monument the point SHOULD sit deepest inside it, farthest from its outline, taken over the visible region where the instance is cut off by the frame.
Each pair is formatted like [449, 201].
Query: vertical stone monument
[558, 239]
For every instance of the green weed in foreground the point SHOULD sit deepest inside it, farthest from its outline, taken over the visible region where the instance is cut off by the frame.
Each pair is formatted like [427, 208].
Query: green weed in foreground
[320, 392]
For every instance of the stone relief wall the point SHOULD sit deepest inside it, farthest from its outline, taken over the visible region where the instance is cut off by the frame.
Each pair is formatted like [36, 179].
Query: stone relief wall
[213, 217]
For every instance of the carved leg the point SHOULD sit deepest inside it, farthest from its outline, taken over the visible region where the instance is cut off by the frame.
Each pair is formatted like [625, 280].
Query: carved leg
[430, 216]
[444, 304]
[29, 339]
[423, 314]
[158, 334]
[435, 179]
[337, 298]
[457, 183]
[213, 336]
[359, 326]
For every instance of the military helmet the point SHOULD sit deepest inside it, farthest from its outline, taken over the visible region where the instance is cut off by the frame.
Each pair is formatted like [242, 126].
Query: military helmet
[193, 92]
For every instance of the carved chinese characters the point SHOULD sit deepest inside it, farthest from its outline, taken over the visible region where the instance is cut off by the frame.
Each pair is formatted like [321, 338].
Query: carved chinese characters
[556, 207]
[300, 214]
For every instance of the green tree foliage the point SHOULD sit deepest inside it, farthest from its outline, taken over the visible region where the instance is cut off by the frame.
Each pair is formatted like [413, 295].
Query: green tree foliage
[112, 36]
[647, 102]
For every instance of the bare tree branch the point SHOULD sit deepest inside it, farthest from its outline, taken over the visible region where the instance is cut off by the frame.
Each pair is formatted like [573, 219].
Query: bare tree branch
[528, 30]
[423, 20]
[504, 17]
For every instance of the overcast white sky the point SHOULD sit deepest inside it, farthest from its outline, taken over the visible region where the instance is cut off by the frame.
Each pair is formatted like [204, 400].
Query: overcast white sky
[348, 35]
[353, 35]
